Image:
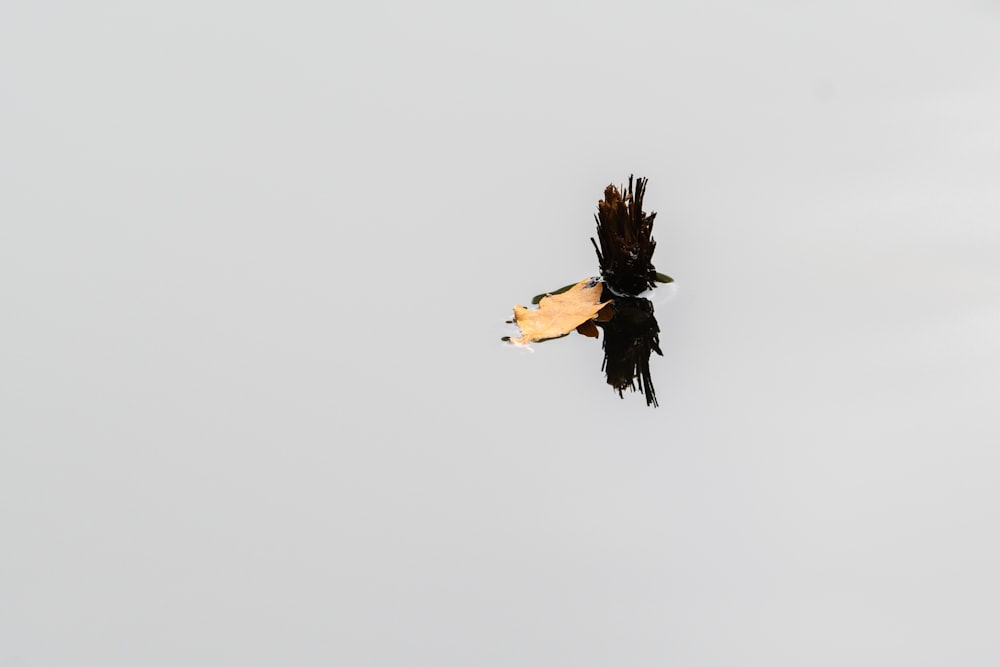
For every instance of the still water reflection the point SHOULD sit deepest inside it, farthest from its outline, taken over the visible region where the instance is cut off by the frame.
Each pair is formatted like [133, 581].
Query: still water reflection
[630, 336]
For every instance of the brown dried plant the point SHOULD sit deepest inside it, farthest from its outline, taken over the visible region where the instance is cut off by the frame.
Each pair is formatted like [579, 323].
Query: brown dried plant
[626, 242]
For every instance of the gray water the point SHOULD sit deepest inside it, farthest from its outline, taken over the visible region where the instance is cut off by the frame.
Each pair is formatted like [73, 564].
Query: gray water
[255, 263]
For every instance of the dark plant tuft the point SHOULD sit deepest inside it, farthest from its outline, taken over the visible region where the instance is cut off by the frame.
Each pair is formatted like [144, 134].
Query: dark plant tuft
[626, 242]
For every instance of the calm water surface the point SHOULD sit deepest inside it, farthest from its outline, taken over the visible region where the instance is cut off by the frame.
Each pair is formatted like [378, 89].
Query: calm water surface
[255, 265]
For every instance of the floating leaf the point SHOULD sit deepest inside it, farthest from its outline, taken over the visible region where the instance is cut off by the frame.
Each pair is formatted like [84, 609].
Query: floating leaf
[558, 314]
[538, 297]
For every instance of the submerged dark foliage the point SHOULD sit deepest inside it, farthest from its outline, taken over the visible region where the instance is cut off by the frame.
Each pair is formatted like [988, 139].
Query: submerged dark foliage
[626, 242]
[630, 336]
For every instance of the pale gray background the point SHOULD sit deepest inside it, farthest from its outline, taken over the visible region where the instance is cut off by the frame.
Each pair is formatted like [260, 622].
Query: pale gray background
[255, 261]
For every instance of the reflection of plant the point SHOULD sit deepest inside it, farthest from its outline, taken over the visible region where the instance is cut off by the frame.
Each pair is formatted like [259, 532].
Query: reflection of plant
[630, 336]
[625, 233]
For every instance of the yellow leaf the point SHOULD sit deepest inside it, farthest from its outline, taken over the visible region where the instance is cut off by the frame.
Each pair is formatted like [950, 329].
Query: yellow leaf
[558, 314]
